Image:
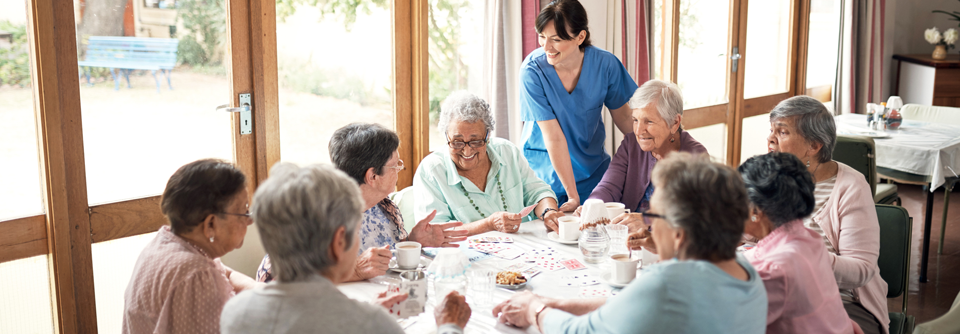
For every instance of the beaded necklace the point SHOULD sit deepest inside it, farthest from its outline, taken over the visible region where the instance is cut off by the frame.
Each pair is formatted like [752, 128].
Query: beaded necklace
[503, 200]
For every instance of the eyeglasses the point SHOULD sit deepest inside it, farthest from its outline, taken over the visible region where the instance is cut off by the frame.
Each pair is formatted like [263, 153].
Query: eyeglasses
[456, 145]
[249, 217]
[648, 218]
[398, 167]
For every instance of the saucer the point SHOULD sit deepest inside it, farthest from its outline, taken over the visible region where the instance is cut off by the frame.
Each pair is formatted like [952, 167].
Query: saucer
[553, 236]
[393, 266]
[512, 286]
[605, 277]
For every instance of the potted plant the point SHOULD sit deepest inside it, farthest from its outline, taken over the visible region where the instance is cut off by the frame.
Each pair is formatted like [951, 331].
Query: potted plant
[942, 41]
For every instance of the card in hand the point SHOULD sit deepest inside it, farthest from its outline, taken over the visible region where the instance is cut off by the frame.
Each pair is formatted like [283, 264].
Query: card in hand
[526, 211]
[572, 264]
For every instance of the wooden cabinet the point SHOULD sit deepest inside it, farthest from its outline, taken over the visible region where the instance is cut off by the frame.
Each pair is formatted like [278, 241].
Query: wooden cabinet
[925, 81]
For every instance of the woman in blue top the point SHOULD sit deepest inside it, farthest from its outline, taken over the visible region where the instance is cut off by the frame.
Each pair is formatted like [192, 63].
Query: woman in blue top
[564, 87]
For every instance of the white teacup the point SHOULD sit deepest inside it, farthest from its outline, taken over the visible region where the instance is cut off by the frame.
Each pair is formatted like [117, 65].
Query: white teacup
[408, 254]
[569, 228]
[624, 268]
[615, 209]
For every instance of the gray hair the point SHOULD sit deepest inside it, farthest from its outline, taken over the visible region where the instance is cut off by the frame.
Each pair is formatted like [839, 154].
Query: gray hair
[298, 211]
[464, 107]
[814, 122]
[666, 96]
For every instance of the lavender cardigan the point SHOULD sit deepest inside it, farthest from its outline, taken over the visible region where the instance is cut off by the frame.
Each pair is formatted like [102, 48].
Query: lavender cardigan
[629, 173]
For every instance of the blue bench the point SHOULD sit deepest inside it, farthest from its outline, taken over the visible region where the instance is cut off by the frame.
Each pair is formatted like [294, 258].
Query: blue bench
[131, 53]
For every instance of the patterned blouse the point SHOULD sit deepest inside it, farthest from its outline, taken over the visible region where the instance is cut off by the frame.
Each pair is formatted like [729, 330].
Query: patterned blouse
[381, 225]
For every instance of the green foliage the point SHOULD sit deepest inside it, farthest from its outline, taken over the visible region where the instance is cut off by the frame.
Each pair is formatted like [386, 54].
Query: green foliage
[301, 76]
[345, 9]
[955, 15]
[205, 25]
[15, 60]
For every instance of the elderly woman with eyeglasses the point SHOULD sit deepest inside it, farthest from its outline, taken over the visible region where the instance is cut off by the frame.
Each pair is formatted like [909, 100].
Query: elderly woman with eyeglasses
[844, 213]
[657, 112]
[309, 223]
[701, 285]
[367, 152]
[481, 181]
[802, 294]
[179, 284]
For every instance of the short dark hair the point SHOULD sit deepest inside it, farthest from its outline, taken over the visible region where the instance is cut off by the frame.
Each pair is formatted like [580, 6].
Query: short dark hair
[779, 185]
[565, 14]
[705, 199]
[199, 189]
[357, 147]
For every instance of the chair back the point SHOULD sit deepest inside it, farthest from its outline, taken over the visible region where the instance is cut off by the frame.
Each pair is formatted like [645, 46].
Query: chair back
[858, 153]
[894, 261]
[404, 200]
[932, 114]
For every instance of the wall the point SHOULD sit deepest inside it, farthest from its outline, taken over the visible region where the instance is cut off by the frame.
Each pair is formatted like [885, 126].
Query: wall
[910, 19]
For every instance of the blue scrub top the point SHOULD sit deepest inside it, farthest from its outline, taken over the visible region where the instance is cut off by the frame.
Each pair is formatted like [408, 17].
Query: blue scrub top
[603, 81]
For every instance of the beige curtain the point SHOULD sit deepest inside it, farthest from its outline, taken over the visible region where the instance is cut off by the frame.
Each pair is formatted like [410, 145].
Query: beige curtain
[860, 71]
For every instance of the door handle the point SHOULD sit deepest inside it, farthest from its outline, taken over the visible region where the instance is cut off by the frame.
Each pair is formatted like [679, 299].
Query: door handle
[246, 113]
[735, 57]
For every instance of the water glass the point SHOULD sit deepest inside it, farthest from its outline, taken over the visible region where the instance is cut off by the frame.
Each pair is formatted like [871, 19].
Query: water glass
[481, 285]
[618, 239]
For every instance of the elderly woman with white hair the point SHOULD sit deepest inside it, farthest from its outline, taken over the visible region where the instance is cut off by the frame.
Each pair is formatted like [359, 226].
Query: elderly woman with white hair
[309, 221]
[844, 213]
[481, 181]
[657, 111]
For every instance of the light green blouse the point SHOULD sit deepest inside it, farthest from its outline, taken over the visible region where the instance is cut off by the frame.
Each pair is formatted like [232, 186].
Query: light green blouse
[436, 186]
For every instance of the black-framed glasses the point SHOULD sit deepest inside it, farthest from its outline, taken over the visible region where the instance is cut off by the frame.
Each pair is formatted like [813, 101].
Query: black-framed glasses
[648, 218]
[456, 145]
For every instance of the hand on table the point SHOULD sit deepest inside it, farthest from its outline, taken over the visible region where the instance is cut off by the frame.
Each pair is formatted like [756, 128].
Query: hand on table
[519, 309]
[504, 222]
[373, 262]
[437, 235]
[453, 310]
[634, 221]
[643, 239]
[388, 299]
[571, 205]
[550, 220]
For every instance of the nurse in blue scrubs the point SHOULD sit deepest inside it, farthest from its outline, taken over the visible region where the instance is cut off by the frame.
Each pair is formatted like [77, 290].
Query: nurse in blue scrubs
[564, 87]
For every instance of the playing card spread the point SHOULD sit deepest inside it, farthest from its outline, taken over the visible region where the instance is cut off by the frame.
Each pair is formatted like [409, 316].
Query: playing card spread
[592, 292]
[578, 280]
[488, 248]
[490, 239]
[549, 264]
[508, 253]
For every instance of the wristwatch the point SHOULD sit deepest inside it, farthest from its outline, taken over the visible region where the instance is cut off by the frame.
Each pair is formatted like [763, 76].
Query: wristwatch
[536, 316]
[544, 213]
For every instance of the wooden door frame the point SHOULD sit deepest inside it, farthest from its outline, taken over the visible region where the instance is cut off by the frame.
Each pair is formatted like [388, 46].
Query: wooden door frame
[411, 102]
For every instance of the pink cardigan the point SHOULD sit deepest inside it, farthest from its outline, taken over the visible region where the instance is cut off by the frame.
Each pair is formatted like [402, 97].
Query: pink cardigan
[801, 290]
[849, 221]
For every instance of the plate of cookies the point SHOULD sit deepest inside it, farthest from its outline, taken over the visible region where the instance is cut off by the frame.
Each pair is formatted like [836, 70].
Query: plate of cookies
[512, 280]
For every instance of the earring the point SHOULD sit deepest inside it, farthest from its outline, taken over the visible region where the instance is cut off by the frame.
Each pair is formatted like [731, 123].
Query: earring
[754, 218]
[211, 239]
[672, 139]
[808, 163]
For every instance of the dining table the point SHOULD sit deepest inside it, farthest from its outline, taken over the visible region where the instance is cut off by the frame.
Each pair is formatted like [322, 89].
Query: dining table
[530, 236]
[925, 153]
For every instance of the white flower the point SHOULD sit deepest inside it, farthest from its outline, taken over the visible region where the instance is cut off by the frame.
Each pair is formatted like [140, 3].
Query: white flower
[932, 35]
[950, 36]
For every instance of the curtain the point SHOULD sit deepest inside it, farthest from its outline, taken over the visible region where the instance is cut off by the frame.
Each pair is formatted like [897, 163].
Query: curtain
[501, 63]
[860, 71]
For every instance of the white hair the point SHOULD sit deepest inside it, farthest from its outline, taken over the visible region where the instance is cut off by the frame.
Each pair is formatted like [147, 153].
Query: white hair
[298, 211]
[665, 95]
[464, 107]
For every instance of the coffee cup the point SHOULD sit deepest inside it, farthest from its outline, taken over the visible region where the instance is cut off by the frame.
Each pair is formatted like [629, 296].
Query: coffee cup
[408, 254]
[615, 209]
[624, 268]
[569, 228]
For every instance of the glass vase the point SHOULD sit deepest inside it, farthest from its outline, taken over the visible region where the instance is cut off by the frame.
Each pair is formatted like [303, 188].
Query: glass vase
[594, 244]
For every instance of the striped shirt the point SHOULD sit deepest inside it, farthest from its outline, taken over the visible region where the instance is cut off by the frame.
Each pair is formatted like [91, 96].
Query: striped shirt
[821, 193]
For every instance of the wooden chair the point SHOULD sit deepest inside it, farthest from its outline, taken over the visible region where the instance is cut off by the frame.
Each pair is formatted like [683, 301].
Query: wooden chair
[858, 153]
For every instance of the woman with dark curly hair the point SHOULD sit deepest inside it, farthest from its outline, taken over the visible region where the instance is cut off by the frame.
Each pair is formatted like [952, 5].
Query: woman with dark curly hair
[792, 261]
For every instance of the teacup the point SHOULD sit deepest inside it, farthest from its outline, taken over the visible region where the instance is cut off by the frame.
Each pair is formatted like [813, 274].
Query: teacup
[569, 228]
[624, 268]
[615, 209]
[408, 254]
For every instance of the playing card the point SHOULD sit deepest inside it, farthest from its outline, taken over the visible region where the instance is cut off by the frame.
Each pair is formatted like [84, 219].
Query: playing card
[508, 253]
[488, 248]
[530, 272]
[549, 265]
[572, 264]
[591, 292]
[526, 210]
[544, 251]
[578, 280]
[519, 266]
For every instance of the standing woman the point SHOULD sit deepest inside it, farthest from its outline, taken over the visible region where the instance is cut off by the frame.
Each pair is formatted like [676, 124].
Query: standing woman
[564, 86]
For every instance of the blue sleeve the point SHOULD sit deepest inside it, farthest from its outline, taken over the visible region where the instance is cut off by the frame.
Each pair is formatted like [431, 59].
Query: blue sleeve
[534, 105]
[620, 86]
[637, 309]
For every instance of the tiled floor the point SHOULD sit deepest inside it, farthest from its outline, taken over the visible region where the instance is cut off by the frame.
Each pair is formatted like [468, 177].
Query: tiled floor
[927, 301]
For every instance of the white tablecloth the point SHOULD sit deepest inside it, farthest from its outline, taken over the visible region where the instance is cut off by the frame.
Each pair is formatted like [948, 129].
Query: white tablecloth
[922, 148]
[531, 235]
